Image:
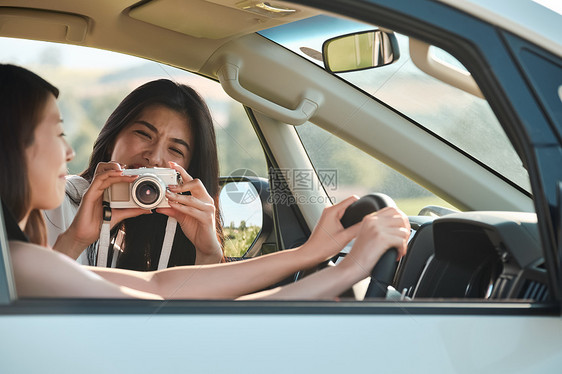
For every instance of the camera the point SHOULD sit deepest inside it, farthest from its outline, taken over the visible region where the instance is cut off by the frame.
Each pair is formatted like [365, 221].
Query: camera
[147, 191]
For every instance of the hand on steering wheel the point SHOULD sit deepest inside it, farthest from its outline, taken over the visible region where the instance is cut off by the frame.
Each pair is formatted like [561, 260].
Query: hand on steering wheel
[387, 231]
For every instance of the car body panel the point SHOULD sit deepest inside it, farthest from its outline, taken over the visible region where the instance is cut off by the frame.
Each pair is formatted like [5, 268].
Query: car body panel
[437, 336]
[279, 342]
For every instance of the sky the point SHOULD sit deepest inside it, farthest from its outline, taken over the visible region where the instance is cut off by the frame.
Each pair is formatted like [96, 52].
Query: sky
[555, 5]
[25, 52]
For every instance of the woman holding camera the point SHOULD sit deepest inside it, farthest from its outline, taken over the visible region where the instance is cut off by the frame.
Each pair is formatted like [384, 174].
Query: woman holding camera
[160, 124]
[33, 157]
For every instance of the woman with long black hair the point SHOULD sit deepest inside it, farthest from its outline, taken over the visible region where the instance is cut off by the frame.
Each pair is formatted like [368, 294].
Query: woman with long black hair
[159, 124]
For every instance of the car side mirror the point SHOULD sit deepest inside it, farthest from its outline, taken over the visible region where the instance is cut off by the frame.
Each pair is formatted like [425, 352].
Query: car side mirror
[247, 215]
[360, 51]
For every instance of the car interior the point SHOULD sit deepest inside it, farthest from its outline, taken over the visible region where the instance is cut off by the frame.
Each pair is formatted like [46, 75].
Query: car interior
[484, 245]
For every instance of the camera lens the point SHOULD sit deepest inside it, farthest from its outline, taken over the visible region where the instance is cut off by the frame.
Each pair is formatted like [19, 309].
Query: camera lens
[147, 192]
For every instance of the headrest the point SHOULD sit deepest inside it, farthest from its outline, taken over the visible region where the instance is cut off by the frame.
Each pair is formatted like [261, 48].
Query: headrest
[12, 229]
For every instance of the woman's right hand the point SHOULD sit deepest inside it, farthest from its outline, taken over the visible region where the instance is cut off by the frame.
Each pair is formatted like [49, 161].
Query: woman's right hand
[329, 236]
[86, 226]
[379, 231]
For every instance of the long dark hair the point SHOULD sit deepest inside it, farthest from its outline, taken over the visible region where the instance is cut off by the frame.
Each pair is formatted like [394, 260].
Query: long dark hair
[204, 165]
[23, 96]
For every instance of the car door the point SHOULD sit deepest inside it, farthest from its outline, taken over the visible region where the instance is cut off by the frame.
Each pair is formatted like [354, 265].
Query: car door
[65, 335]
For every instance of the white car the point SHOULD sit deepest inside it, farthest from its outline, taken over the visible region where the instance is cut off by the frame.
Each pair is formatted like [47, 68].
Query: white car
[454, 110]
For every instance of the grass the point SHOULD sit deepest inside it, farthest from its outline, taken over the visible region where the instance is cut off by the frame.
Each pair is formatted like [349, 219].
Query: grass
[238, 240]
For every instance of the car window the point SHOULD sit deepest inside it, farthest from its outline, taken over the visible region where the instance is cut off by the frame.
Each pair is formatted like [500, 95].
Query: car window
[463, 120]
[344, 169]
[92, 82]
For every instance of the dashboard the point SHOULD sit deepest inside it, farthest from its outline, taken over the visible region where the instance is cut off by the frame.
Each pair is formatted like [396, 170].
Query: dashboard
[484, 255]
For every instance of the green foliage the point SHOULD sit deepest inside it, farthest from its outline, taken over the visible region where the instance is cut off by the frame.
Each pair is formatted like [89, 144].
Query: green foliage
[238, 240]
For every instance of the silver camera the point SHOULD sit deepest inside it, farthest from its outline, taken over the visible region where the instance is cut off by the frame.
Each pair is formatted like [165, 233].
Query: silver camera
[148, 191]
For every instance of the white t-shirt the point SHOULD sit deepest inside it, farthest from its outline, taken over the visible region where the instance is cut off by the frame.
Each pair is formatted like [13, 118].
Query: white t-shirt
[58, 220]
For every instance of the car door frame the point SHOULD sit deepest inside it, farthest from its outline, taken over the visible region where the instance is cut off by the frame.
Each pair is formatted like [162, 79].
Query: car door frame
[309, 335]
[485, 52]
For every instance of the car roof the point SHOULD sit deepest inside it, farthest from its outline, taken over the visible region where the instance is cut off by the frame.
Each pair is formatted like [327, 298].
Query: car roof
[526, 18]
[210, 24]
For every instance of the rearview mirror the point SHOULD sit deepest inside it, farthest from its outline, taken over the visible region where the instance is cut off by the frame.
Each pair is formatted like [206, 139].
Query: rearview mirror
[360, 51]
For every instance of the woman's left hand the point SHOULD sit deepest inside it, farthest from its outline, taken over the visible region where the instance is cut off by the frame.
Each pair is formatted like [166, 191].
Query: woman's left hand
[195, 214]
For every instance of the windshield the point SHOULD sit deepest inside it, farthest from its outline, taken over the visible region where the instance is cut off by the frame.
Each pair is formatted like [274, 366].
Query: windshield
[460, 118]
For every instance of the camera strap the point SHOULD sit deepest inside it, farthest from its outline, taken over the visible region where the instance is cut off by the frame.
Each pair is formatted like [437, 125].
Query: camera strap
[105, 238]
[103, 245]
[167, 243]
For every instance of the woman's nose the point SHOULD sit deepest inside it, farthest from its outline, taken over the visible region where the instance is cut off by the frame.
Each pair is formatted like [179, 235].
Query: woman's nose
[155, 157]
[69, 152]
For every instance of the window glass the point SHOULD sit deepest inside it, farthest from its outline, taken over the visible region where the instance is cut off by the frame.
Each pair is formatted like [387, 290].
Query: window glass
[462, 119]
[359, 173]
[93, 82]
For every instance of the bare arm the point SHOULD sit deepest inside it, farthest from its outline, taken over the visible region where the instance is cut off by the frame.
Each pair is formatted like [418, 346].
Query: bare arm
[42, 272]
[218, 281]
[379, 231]
[233, 280]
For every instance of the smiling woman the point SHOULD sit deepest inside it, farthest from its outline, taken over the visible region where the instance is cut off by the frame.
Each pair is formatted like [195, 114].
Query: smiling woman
[156, 125]
[159, 124]
[106, 77]
[46, 160]
[41, 174]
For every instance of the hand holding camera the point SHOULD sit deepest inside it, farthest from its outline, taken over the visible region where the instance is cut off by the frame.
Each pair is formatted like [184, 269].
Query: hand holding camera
[165, 189]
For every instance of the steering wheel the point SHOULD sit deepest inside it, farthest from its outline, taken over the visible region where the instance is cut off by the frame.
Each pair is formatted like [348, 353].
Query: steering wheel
[385, 268]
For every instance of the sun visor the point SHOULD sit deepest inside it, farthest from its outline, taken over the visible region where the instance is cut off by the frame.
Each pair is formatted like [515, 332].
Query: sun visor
[42, 25]
[216, 19]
